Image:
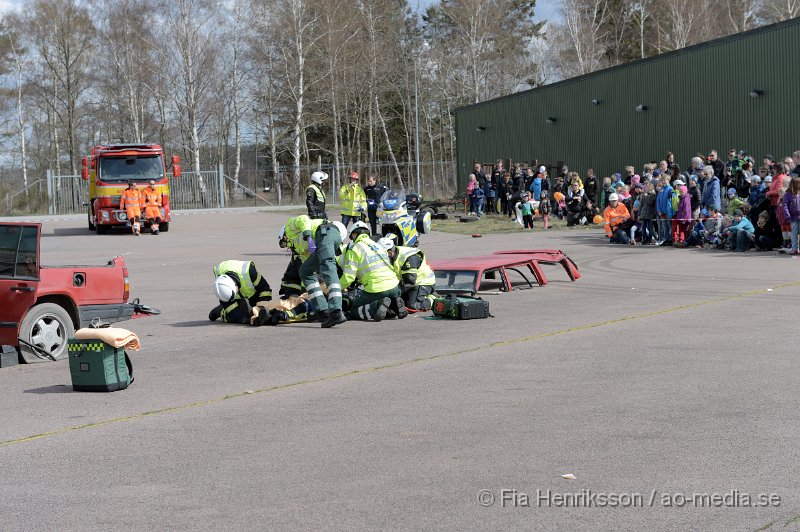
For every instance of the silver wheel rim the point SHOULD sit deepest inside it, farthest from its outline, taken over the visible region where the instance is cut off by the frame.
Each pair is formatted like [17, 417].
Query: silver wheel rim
[48, 334]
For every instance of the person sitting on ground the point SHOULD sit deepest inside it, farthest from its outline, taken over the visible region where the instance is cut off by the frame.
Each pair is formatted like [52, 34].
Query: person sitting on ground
[614, 221]
[575, 203]
[742, 231]
[767, 235]
[713, 228]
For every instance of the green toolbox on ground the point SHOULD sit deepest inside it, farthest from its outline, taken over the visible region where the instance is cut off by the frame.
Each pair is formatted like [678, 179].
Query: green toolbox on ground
[96, 366]
[460, 307]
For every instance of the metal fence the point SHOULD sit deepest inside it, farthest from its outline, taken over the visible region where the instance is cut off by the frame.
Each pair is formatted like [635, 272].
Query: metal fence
[68, 194]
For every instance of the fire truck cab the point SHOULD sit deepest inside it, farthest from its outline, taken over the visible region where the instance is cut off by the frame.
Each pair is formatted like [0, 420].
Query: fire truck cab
[110, 167]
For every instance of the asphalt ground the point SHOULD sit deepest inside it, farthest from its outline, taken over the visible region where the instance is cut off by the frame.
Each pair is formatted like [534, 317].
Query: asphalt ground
[660, 374]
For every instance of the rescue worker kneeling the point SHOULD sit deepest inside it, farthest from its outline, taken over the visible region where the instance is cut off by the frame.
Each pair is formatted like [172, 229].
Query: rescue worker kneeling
[239, 287]
[417, 280]
[366, 262]
[296, 235]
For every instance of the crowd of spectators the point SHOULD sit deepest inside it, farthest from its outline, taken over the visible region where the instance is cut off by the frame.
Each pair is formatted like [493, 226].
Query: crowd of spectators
[713, 203]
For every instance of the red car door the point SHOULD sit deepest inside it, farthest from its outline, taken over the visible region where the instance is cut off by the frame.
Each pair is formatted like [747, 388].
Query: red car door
[19, 275]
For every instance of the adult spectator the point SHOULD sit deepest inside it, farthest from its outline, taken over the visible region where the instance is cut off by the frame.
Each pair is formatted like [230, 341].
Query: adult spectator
[505, 191]
[663, 168]
[788, 162]
[670, 158]
[776, 187]
[576, 205]
[744, 176]
[796, 160]
[374, 191]
[647, 213]
[716, 164]
[711, 197]
[694, 195]
[769, 161]
[695, 167]
[614, 218]
[479, 175]
[629, 171]
[591, 186]
[498, 172]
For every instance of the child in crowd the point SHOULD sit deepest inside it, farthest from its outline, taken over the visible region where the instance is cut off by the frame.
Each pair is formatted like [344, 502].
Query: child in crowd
[790, 207]
[757, 191]
[607, 189]
[713, 228]
[683, 218]
[733, 202]
[526, 209]
[472, 184]
[544, 209]
[478, 195]
[785, 223]
[695, 238]
[741, 234]
[767, 235]
[647, 214]
[694, 194]
[664, 211]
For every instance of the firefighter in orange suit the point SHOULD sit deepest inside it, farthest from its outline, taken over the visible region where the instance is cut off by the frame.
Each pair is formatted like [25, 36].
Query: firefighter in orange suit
[131, 202]
[152, 206]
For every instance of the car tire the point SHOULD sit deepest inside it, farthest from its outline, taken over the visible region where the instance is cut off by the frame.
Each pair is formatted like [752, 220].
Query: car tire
[163, 227]
[47, 326]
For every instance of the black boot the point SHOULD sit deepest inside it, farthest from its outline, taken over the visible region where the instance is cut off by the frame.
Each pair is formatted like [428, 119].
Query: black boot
[383, 309]
[334, 318]
[261, 319]
[402, 311]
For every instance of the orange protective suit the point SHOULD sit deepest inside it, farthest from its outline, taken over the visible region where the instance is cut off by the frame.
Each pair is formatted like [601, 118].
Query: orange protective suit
[613, 217]
[131, 202]
[152, 204]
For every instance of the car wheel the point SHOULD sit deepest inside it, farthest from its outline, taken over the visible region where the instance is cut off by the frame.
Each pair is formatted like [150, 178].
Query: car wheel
[47, 326]
[163, 227]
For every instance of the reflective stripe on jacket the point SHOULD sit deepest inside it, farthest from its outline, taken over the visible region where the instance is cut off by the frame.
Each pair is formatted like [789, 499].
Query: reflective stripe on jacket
[152, 198]
[366, 261]
[296, 229]
[614, 217]
[425, 275]
[353, 200]
[130, 197]
[241, 268]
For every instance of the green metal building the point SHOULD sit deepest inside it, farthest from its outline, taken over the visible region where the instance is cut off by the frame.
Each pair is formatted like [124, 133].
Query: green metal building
[741, 91]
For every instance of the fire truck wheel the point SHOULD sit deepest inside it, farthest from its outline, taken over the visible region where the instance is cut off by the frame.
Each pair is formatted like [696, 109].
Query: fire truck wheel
[46, 326]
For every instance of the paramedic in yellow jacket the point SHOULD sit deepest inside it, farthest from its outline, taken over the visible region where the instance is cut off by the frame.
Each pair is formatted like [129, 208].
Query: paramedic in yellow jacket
[238, 287]
[353, 201]
[417, 280]
[294, 236]
[366, 262]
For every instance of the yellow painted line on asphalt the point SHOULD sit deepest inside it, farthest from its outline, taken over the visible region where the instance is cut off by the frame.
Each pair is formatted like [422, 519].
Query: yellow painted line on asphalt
[393, 365]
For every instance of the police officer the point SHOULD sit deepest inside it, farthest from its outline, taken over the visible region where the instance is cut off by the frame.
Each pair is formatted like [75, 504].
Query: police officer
[322, 240]
[238, 287]
[315, 197]
[366, 262]
[374, 191]
[417, 280]
[353, 200]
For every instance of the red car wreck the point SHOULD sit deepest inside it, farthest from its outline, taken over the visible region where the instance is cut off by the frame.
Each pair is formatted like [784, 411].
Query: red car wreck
[511, 269]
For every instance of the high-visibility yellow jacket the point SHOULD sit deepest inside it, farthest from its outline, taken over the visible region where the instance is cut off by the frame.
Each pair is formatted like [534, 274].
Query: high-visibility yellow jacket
[412, 268]
[368, 262]
[613, 217]
[353, 199]
[248, 286]
[298, 229]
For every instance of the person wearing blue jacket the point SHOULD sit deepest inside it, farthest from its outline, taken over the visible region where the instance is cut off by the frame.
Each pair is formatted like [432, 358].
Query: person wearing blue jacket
[664, 212]
[536, 188]
[711, 197]
[742, 231]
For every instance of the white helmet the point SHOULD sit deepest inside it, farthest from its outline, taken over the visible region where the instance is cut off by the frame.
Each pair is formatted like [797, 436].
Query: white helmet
[225, 288]
[359, 225]
[281, 235]
[342, 230]
[319, 177]
[542, 169]
[613, 197]
[386, 243]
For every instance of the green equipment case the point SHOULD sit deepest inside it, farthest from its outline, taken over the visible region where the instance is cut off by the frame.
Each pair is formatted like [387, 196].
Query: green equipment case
[460, 307]
[96, 366]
